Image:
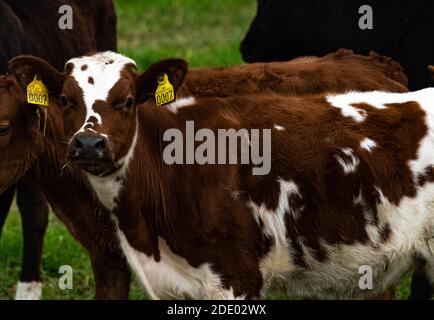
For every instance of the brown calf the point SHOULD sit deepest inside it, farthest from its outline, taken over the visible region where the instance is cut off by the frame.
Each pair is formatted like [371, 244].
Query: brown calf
[336, 72]
[348, 189]
[192, 212]
[55, 124]
[32, 27]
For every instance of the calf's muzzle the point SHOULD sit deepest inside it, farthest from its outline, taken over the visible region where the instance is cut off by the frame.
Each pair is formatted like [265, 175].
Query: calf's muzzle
[91, 153]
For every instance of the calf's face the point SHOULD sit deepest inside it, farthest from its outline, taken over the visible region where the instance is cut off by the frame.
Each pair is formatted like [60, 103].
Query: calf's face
[99, 95]
[99, 109]
[99, 101]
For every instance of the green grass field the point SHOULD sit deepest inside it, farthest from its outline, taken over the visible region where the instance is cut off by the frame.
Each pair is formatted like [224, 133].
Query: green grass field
[204, 32]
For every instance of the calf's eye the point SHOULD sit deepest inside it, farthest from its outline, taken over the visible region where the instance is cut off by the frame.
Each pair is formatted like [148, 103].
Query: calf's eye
[128, 103]
[4, 130]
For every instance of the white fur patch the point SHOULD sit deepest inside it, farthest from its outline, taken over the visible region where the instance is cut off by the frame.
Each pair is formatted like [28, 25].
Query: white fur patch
[350, 162]
[368, 144]
[372, 230]
[172, 277]
[377, 99]
[180, 103]
[105, 69]
[279, 128]
[107, 188]
[274, 221]
[29, 291]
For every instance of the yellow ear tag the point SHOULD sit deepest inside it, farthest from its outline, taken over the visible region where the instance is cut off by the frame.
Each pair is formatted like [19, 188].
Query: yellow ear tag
[37, 93]
[165, 92]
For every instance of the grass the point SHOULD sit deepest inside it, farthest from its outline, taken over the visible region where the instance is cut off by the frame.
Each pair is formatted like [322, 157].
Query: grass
[205, 33]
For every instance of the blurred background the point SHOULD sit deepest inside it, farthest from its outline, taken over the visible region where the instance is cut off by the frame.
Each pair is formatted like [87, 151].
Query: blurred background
[205, 33]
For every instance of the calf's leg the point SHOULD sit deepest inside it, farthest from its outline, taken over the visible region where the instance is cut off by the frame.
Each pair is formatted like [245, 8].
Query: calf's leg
[112, 276]
[34, 213]
[97, 234]
[423, 280]
[6, 199]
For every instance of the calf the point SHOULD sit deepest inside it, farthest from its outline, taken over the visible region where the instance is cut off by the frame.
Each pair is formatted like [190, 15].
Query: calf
[337, 72]
[174, 220]
[350, 187]
[25, 146]
[32, 27]
[39, 160]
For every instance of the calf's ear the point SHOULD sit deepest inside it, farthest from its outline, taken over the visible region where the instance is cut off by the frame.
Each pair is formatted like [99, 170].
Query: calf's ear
[431, 71]
[25, 67]
[147, 84]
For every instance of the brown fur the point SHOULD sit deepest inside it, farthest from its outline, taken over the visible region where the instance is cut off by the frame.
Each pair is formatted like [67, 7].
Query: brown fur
[193, 208]
[337, 72]
[51, 158]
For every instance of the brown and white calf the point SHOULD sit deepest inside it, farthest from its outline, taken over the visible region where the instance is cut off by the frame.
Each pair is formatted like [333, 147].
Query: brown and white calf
[24, 31]
[173, 220]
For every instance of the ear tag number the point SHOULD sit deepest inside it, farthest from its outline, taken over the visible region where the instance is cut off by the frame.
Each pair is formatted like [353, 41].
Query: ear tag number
[37, 92]
[165, 92]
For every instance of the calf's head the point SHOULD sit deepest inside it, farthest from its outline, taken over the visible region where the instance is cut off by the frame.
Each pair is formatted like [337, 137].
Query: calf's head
[20, 140]
[99, 97]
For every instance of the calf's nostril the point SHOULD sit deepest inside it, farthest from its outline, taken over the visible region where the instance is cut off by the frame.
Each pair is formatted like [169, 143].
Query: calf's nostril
[100, 144]
[77, 143]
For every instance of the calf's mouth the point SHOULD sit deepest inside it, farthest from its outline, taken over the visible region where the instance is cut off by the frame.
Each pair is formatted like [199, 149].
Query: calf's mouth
[92, 154]
[97, 167]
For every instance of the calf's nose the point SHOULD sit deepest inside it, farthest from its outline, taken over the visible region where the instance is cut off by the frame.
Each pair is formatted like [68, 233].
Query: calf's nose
[86, 146]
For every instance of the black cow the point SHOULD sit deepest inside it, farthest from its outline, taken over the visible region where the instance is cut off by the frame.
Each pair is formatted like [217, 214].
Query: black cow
[31, 27]
[402, 29]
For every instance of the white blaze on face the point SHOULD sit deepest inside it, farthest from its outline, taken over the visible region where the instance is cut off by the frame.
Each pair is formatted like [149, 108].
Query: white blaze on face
[96, 75]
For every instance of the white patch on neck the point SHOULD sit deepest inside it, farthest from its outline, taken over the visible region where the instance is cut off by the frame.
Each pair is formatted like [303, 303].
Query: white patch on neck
[180, 103]
[29, 291]
[105, 69]
[107, 188]
[368, 144]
